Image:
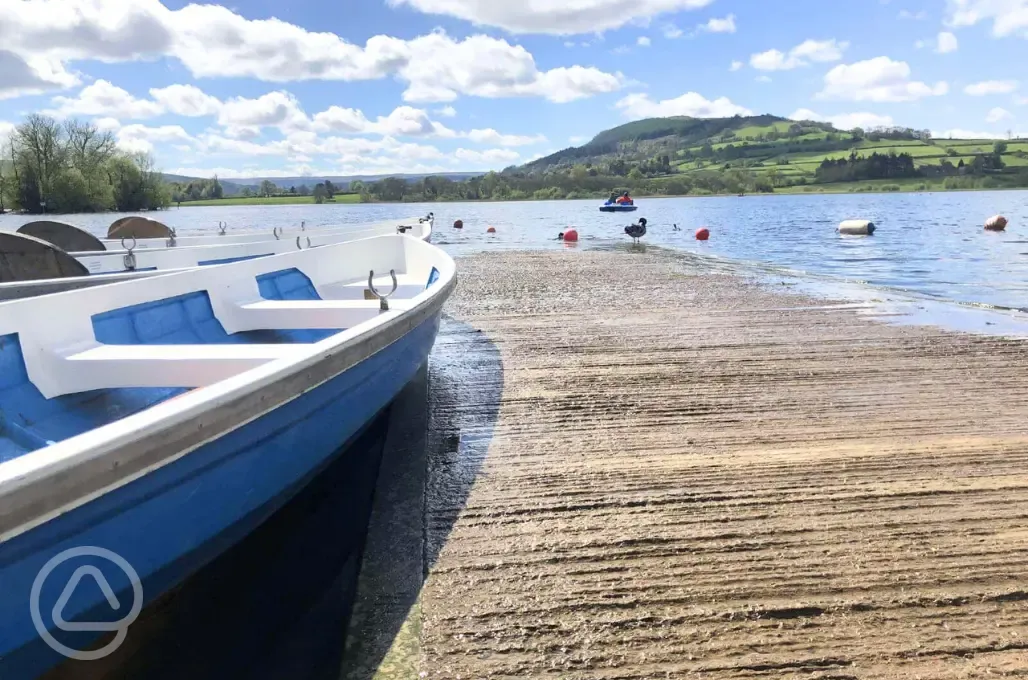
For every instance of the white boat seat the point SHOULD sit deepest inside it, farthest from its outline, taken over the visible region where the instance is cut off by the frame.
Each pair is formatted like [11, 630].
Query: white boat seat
[313, 314]
[110, 366]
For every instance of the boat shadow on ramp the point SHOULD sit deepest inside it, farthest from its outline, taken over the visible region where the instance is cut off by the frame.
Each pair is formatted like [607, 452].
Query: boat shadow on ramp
[426, 477]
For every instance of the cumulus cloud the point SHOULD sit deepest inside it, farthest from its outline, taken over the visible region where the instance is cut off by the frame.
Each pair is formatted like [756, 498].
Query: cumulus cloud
[446, 112]
[103, 98]
[807, 52]
[726, 25]
[1008, 17]
[958, 133]
[490, 158]
[212, 41]
[140, 138]
[643, 41]
[998, 114]
[736, 65]
[186, 100]
[490, 136]
[689, 104]
[946, 43]
[275, 109]
[20, 76]
[486, 67]
[846, 121]
[990, 87]
[552, 18]
[877, 80]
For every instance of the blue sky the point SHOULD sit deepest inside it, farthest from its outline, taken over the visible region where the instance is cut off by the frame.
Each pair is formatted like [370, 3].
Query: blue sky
[256, 87]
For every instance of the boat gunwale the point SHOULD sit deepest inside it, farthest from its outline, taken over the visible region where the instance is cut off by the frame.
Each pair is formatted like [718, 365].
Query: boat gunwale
[44, 484]
[362, 231]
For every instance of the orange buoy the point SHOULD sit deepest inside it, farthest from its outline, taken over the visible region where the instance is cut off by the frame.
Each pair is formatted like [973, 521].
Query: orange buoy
[571, 235]
[459, 224]
[491, 230]
[996, 223]
[702, 234]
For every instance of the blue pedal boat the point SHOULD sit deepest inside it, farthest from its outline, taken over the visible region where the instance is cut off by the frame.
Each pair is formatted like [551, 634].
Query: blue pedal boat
[147, 426]
[617, 208]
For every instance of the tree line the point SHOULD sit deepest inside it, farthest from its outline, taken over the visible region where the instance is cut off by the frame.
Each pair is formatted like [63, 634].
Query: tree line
[71, 166]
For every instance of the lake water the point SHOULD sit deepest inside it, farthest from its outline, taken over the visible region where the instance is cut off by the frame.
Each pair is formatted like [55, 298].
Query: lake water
[929, 258]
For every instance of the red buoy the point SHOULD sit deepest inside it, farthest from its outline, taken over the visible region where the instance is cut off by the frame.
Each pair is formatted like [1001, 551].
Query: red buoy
[491, 230]
[459, 224]
[702, 234]
[571, 235]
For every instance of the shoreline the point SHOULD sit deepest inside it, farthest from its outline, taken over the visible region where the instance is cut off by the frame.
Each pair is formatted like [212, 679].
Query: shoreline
[822, 190]
[687, 473]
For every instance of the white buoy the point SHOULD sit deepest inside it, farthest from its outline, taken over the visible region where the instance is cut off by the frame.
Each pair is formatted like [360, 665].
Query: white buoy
[857, 227]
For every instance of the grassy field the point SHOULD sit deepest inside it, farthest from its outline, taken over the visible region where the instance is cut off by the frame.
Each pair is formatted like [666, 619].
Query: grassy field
[273, 200]
[804, 163]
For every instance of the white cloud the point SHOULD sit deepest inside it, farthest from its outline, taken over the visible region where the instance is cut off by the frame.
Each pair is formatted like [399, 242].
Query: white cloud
[213, 41]
[490, 158]
[958, 133]
[846, 121]
[446, 112]
[946, 43]
[726, 25]
[990, 87]
[140, 138]
[486, 67]
[916, 16]
[20, 76]
[877, 80]
[1021, 101]
[554, 18]
[672, 32]
[1009, 17]
[689, 104]
[103, 98]
[643, 41]
[275, 109]
[807, 52]
[490, 136]
[6, 130]
[736, 65]
[998, 114]
[186, 100]
[107, 123]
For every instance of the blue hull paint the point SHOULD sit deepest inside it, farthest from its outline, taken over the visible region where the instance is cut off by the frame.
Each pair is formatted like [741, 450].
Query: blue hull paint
[618, 208]
[172, 521]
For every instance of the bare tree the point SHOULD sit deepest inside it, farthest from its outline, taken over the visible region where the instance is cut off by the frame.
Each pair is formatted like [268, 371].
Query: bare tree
[43, 152]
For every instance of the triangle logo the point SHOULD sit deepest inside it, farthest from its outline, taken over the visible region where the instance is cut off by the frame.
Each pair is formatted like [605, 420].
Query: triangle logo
[105, 588]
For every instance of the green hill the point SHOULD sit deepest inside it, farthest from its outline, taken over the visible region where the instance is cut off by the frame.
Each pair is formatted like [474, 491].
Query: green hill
[770, 153]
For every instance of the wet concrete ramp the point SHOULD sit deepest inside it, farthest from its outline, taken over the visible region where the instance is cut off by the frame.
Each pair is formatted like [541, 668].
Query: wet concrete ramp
[693, 477]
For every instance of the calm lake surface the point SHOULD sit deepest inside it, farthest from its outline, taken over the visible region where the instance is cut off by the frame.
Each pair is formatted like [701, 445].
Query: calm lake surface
[929, 258]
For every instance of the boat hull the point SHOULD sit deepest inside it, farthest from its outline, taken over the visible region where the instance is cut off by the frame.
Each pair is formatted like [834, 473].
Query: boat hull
[171, 521]
[618, 208]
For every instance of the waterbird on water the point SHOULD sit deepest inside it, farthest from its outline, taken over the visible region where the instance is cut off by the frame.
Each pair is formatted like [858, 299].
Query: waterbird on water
[637, 231]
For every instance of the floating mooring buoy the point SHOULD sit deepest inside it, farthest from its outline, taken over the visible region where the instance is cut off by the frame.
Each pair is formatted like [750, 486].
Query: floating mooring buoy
[857, 227]
[996, 223]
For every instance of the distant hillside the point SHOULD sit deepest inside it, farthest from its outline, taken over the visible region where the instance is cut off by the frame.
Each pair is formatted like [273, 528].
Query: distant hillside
[781, 153]
[229, 186]
[233, 186]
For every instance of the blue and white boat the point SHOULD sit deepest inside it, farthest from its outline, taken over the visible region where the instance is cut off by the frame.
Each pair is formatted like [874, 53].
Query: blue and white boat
[129, 263]
[147, 426]
[618, 207]
[421, 226]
